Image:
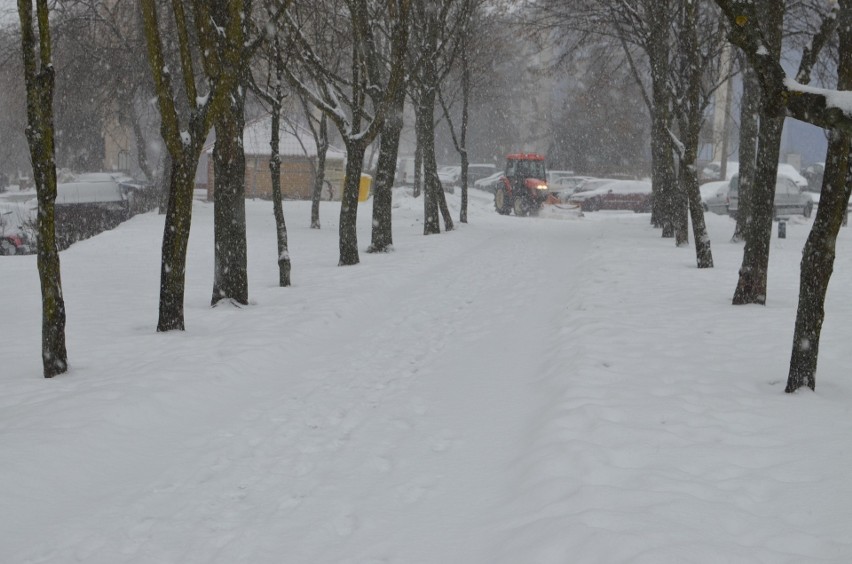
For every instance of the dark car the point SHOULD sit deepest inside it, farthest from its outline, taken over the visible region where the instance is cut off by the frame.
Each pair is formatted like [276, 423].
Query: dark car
[632, 195]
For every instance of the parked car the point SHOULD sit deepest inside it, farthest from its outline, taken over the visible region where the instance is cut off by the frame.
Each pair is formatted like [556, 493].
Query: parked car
[714, 196]
[14, 245]
[554, 175]
[712, 171]
[564, 186]
[634, 195]
[449, 174]
[489, 182]
[592, 184]
[479, 171]
[789, 198]
[449, 177]
[788, 170]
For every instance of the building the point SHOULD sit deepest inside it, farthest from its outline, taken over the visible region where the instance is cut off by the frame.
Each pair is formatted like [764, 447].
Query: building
[298, 152]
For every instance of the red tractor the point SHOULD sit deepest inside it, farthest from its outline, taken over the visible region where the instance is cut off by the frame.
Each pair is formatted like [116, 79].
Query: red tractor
[522, 188]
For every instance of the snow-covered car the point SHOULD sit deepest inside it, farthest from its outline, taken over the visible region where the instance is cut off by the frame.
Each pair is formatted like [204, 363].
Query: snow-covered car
[788, 170]
[789, 198]
[478, 171]
[554, 175]
[634, 195]
[449, 177]
[592, 184]
[564, 186]
[449, 174]
[714, 196]
[489, 182]
[712, 171]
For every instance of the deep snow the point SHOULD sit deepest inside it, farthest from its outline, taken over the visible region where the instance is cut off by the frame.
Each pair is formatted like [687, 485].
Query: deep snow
[516, 391]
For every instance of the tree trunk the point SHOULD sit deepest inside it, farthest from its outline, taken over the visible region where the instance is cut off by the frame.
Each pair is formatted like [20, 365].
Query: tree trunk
[349, 203]
[142, 149]
[382, 234]
[465, 157]
[748, 149]
[703, 254]
[319, 177]
[175, 240]
[751, 288]
[465, 162]
[818, 255]
[426, 141]
[40, 81]
[818, 264]
[277, 205]
[163, 184]
[662, 160]
[691, 116]
[230, 279]
[418, 158]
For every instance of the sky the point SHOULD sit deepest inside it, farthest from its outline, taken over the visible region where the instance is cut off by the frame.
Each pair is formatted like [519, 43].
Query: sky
[538, 390]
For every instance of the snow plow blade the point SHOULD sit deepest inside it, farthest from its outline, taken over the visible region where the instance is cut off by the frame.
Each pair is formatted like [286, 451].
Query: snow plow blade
[553, 207]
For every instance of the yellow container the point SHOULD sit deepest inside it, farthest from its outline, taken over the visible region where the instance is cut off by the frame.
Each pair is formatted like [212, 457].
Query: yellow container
[364, 187]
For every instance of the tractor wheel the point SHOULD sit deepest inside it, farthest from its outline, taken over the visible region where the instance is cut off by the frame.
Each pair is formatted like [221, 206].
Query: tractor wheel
[521, 207]
[501, 201]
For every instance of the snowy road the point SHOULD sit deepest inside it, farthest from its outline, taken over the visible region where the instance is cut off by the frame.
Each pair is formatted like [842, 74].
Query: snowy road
[517, 391]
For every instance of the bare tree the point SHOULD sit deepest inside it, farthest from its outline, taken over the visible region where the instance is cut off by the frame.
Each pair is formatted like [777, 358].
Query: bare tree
[39, 76]
[184, 133]
[435, 40]
[814, 106]
[273, 94]
[357, 104]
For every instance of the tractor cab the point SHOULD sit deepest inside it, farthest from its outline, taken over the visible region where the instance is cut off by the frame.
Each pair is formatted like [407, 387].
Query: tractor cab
[522, 188]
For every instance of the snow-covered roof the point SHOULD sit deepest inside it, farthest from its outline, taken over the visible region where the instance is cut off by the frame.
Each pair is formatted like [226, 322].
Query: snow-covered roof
[295, 140]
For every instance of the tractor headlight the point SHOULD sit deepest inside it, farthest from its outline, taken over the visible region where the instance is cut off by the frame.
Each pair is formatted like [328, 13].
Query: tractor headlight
[542, 186]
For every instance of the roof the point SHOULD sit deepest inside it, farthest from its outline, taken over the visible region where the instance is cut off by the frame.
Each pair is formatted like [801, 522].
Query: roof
[525, 157]
[295, 140]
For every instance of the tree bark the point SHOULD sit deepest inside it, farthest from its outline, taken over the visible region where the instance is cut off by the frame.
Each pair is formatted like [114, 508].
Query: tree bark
[818, 255]
[662, 163]
[319, 177]
[230, 279]
[349, 203]
[175, 241]
[382, 234]
[40, 80]
[690, 118]
[418, 159]
[284, 265]
[432, 184]
[818, 263]
[751, 287]
[748, 149]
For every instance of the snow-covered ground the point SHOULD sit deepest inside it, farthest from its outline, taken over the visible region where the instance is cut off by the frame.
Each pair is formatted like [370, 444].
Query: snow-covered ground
[516, 391]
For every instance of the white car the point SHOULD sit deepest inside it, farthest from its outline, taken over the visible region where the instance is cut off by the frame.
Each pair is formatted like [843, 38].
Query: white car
[788, 170]
[488, 182]
[449, 177]
[789, 198]
[714, 196]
